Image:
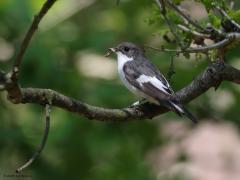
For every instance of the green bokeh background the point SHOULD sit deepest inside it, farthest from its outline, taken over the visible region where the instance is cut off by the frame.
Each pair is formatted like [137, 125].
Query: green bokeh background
[78, 148]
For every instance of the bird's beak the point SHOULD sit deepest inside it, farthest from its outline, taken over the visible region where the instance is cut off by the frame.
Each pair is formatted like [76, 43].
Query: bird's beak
[110, 51]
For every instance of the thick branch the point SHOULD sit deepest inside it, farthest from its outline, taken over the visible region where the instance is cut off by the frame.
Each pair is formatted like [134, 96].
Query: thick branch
[212, 76]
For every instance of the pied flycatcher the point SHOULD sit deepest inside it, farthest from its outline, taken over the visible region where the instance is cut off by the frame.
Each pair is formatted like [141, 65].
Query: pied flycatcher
[142, 78]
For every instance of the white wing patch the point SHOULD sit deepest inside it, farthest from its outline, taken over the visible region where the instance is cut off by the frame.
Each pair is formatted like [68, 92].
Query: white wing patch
[153, 80]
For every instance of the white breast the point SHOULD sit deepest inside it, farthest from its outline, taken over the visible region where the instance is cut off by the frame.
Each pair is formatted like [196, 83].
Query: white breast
[122, 59]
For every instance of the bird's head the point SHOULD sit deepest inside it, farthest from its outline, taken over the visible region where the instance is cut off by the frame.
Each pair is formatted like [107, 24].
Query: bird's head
[125, 48]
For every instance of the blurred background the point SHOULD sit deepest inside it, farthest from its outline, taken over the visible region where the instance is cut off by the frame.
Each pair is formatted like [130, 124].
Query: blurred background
[67, 55]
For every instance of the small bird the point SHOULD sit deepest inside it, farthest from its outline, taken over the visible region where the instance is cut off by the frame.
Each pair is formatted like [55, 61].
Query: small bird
[142, 78]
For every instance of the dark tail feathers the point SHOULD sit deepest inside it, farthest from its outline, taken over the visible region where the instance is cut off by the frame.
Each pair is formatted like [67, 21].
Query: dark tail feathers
[181, 110]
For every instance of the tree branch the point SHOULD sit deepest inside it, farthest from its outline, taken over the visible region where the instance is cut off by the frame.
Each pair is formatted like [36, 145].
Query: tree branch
[224, 14]
[171, 26]
[43, 142]
[230, 38]
[212, 76]
[193, 32]
[32, 29]
[184, 16]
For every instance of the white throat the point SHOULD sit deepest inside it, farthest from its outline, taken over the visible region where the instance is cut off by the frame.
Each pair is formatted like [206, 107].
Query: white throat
[122, 59]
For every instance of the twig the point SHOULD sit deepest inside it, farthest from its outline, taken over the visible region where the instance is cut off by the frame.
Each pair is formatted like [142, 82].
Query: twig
[43, 142]
[186, 17]
[214, 32]
[195, 33]
[228, 17]
[34, 26]
[231, 37]
[163, 49]
[171, 70]
[162, 8]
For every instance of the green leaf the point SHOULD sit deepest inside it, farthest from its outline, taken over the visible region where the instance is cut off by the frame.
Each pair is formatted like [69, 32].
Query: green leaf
[235, 15]
[215, 20]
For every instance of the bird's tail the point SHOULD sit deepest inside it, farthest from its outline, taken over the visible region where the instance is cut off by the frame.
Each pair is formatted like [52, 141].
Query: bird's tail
[181, 110]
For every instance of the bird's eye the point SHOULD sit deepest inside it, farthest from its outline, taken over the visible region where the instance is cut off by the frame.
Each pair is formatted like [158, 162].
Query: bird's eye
[126, 49]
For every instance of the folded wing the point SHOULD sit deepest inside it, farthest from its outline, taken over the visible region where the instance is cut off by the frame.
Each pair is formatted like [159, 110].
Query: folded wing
[146, 78]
